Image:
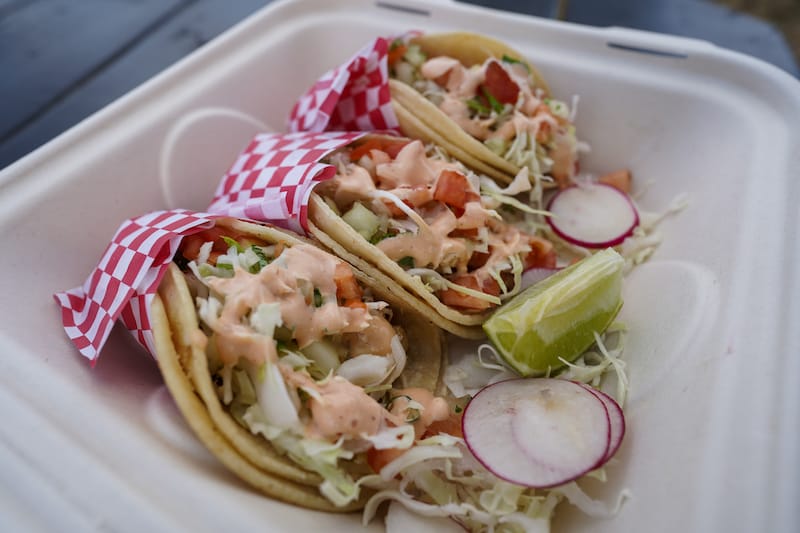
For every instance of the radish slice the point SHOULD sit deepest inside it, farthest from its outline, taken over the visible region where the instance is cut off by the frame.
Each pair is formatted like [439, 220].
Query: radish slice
[615, 417]
[538, 432]
[594, 215]
[532, 276]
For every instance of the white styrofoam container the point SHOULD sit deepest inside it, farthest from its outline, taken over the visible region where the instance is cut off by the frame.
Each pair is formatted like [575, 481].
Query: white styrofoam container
[714, 409]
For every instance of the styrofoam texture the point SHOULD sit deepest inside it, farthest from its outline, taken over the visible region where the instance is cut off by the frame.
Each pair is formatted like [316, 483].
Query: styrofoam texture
[712, 443]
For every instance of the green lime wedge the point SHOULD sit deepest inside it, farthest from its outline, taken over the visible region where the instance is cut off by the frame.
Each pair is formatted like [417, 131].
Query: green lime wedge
[555, 320]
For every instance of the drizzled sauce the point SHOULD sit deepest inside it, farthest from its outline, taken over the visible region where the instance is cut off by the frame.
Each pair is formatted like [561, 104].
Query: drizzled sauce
[434, 409]
[282, 281]
[412, 176]
[462, 83]
[339, 408]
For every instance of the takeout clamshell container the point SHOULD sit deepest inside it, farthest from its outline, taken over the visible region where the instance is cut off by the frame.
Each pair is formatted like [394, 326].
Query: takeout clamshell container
[712, 357]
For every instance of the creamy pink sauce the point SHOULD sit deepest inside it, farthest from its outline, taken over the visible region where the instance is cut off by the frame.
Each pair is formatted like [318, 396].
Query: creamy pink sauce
[462, 83]
[355, 184]
[339, 408]
[434, 409]
[375, 340]
[412, 176]
[411, 168]
[280, 282]
[429, 247]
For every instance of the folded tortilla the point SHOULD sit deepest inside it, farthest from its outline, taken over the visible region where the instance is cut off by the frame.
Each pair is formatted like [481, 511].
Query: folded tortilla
[452, 105]
[227, 344]
[401, 209]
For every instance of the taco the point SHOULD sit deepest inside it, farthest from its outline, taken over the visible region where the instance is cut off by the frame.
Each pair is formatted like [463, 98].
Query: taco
[287, 363]
[484, 103]
[451, 238]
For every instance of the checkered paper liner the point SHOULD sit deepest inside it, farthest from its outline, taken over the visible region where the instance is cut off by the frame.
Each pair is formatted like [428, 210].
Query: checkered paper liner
[353, 96]
[126, 279]
[271, 181]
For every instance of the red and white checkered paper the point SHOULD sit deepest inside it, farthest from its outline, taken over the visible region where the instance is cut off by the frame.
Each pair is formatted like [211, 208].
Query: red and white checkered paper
[126, 279]
[352, 96]
[271, 181]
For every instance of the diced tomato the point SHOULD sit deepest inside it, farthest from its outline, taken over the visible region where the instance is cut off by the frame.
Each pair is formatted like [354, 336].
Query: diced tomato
[453, 189]
[620, 180]
[453, 298]
[542, 254]
[396, 53]
[190, 247]
[347, 288]
[500, 85]
[468, 233]
[450, 426]
[377, 459]
[355, 303]
[477, 260]
[363, 148]
[414, 196]
[394, 211]
[392, 147]
[544, 133]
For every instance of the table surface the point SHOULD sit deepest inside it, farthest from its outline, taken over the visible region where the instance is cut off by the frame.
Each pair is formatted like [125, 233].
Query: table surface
[65, 59]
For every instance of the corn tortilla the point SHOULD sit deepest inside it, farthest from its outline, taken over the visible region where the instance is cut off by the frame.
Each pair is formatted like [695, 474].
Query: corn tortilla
[180, 349]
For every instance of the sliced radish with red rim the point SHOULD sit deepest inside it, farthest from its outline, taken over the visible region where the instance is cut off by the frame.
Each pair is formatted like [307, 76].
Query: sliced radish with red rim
[532, 276]
[593, 215]
[539, 432]
[615, 417]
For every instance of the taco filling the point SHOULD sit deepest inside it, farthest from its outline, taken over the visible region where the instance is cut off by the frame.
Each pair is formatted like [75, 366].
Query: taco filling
[498, 103]
[302, 354]
[436, 220]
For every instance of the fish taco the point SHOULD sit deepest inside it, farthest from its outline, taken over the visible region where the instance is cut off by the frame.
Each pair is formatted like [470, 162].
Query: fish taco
[455, 240]
[484, 103]
[288, 363]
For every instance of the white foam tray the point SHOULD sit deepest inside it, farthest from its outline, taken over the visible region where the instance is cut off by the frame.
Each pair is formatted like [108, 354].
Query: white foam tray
[714, 409]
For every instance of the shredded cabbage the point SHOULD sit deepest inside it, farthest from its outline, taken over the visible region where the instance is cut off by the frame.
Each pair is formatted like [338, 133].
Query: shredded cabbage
[266, 317]
[410, 213]
[401, 438]
[317, 456]
[277, 405]
[365, 370]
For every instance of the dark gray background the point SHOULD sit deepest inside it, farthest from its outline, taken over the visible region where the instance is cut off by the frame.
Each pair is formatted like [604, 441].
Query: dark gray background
[62, 60]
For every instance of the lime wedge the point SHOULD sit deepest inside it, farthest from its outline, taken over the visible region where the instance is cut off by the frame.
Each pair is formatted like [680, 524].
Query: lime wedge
[556, 318]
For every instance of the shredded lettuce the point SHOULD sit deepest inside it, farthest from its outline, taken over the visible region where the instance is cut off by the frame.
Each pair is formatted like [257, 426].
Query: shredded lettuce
[317, 456]
[323, 356]
[366, 370]
[409, 212]
[401, 438]
[265, 318]
[590, 506]
[277, 405]
[637, 248]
